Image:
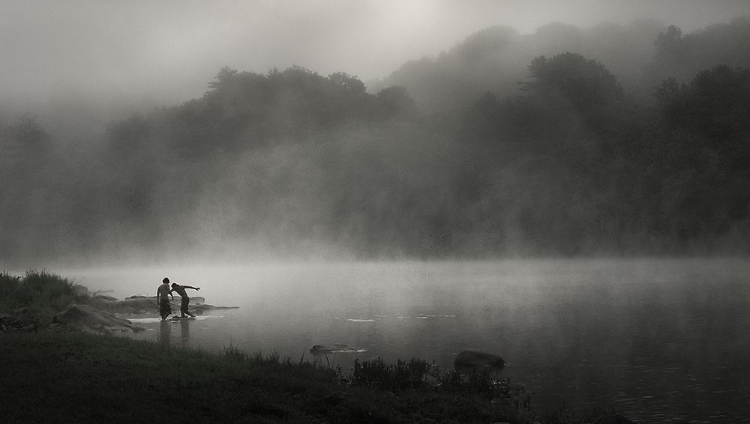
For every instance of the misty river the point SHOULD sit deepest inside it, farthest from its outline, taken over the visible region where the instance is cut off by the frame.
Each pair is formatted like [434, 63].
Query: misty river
[657, 338]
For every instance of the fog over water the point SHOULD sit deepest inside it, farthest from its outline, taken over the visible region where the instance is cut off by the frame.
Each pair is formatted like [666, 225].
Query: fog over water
[563, 183]
[658, 339]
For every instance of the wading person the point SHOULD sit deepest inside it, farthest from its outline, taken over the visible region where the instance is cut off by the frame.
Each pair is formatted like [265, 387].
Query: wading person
[161, 299]
[185, 299]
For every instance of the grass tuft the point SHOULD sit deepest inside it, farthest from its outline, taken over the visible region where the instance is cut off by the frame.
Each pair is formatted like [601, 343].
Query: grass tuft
[46, 374]
[233, 353]
[37, 296]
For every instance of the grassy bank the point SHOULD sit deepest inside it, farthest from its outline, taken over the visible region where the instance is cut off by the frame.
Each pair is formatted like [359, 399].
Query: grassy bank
[54, 374]
[58, 376]
[34, 298]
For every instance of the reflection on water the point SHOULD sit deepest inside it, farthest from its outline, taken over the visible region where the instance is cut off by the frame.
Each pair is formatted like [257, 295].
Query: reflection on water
[177, 331]
[165, 333]
[185, 333]
[658, 339]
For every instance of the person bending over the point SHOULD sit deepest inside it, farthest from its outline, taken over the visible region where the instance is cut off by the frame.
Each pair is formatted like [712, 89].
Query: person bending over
[185, 299]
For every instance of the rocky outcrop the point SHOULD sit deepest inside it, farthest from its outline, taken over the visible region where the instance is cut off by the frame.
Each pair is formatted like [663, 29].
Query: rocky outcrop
[478, 359]
[127, 306]
[89, 318]
[139, 305]
[194, 300]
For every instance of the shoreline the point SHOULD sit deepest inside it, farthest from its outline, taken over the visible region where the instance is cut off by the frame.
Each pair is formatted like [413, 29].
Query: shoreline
[116, 378]
[51, 350]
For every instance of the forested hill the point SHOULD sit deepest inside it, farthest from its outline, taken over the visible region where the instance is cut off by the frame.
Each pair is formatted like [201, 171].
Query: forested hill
[640, 55]
[292, 163]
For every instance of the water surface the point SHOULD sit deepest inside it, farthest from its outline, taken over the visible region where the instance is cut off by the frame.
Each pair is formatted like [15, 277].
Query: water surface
[658, 339]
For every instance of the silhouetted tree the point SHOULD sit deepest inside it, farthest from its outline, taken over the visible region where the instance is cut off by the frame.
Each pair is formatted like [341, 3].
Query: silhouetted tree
[486, 43]
[352, 85]
[682, 56]
[394, 102]
[715, 104]
[585, 83]
[706, 155]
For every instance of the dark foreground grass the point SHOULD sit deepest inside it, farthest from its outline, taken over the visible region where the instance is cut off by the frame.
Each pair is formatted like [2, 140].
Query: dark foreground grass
[61, 376]
[57, 376]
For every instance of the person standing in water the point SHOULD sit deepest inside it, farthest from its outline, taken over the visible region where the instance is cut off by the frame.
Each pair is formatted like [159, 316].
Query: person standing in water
[185, 299]
[161, 299]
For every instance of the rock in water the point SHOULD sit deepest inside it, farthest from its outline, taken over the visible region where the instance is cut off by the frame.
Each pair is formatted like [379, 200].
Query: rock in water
[476, 358]
[89, 318]
[334, 348]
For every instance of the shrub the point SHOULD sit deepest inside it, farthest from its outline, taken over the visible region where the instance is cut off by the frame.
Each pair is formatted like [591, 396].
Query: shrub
[42, 293]
[45, 288]
[8, 285]
[402, 375]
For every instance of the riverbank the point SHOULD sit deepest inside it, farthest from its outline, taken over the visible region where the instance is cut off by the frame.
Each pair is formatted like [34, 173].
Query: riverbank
[56, 375]
[53, 372]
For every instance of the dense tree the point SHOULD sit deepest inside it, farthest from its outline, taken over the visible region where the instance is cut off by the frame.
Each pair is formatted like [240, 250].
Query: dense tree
[495, 59]
[486, 43]
[394, 102]
[585, 83]
[682, 56]
[716, 103]
[291, 160]
[708, 154]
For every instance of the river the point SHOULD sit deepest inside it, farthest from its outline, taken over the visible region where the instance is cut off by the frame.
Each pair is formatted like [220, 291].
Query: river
[658, 339]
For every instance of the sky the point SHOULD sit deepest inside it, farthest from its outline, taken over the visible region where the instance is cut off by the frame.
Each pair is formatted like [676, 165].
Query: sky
[167, 51]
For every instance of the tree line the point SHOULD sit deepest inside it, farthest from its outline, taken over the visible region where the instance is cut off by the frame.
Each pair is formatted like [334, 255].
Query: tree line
[569, 162]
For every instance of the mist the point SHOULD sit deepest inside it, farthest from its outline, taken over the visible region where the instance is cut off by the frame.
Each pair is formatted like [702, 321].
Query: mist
[113, 58]
[235, 131]
[563, 183]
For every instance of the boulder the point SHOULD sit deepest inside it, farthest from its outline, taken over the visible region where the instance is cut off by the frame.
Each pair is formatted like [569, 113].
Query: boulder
[478, 359]
[127, 306]
[333, 348]
[80, 291]
[105, 297]
[87, 317]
